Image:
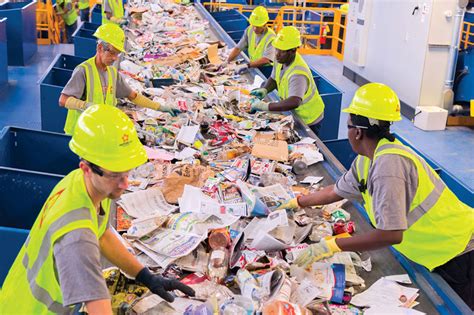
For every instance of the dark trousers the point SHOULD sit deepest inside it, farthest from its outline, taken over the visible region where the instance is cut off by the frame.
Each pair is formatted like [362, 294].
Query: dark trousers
[84, 14]
[459, 274]
[315, 128]
[69, 31]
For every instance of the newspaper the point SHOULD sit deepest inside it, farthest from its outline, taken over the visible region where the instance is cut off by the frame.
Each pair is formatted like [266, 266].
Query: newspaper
[146, 203]
[143, 226]
[172, 243]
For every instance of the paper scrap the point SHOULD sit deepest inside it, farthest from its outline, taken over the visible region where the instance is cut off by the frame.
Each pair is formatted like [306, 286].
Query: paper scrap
[213, 54]
[187, 134]
[312, 180]
[146, 203]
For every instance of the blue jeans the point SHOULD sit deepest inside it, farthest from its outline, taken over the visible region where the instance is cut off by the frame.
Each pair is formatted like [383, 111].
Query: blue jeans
[84, 14]
[69, 31]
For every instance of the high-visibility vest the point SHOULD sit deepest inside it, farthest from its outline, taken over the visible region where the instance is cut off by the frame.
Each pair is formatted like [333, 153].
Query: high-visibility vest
[83, 4]
[94, 92]
[256, 51]
[71, 16]
[439, 225]
[117, 10]
[31, 286]
[312, 106]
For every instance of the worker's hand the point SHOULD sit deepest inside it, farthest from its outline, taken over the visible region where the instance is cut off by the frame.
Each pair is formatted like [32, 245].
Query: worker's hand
[289, 204]
[260, 93]
[325, 248]
[258, 105]
[241, 69]
[169, 109]
[123, 22]
[161, 286]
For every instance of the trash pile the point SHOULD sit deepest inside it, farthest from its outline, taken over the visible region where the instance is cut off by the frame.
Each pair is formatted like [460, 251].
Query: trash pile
[207, 207]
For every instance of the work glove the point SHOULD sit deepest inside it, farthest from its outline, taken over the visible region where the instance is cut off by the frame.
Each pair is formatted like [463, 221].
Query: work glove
[123, 22]
[241, 69]
[324, 249]
[77, 104]
[161, 286]
[169, 109]
[258, 105]
[289, 204]
[259, 93]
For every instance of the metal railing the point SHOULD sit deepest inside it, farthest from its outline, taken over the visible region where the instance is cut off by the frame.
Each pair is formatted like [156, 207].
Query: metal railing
[323, 30]
[48, 24]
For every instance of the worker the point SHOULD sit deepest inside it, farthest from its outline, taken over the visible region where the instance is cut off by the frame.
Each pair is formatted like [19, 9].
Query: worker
[59, 266]
[113, 12]
[96, 81]
[84, 10]
[409, 205]
[257, 40]
[292, 78]
[67, 11]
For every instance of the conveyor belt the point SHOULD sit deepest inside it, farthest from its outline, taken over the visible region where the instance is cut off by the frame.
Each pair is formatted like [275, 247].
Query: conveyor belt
[436, 297]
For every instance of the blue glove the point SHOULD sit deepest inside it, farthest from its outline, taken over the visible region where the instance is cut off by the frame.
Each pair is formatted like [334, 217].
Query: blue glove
[258, 105]
[259, 93]
[242, 69]
[171, 110]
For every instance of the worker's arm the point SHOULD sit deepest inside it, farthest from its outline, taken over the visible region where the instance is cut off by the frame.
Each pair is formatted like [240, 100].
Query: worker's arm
[114, 250]
[70, 102]
[270, 85]
[99, 307]
[260, 62]
[322, 197]
[287, 104]
[233, 54]
[372, 240]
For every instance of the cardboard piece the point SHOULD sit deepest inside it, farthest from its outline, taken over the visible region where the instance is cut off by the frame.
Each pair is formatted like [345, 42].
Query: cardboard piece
[212, 55]
[271, 149]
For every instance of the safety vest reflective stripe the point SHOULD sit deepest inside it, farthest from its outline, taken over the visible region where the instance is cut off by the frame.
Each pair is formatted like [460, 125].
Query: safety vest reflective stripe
[256, 51]
[312, 105]
[32, 272]
[436, 221]
[94, 91]
[116, 6]
[83, 4]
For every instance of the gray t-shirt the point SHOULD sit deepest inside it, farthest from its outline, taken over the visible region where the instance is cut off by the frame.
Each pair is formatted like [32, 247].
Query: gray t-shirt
[76, 86]
[297, 85]
[269, 51]
[106, 5]
[78, 266]
[392, 183]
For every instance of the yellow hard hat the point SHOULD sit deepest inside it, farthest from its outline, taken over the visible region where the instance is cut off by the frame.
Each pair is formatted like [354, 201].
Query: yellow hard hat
[105, 136]
[259, 17]
[287, 38]
[112, 34]
[377, 101]
[344, 7]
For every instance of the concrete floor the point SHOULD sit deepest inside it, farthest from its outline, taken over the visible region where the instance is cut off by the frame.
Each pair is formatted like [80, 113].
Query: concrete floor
[452, 148]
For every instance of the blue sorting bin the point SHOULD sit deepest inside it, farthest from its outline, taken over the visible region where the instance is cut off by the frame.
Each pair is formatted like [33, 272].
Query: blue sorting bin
[239, 24]
[342, 150]
[84, 43]
[90, 26]
[11, 241]
[96, 14]
[53, 116]
[52, 83]
[32, 162]
[3, 53]
[226, 15]
[21, 31]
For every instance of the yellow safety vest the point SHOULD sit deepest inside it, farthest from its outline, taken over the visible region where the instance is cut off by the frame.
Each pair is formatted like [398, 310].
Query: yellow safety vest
[439, 225]
[71, 16]
[312, 106]
[83, 4]
[94, 93]
[31, 286]
[256, 51]
[117, 10]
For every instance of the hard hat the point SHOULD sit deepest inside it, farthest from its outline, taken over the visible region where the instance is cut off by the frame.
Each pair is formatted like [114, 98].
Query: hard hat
[377, 101]
[105, 136]
[259, 17]
[112, 34]
[288, 38]
[344, 7]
